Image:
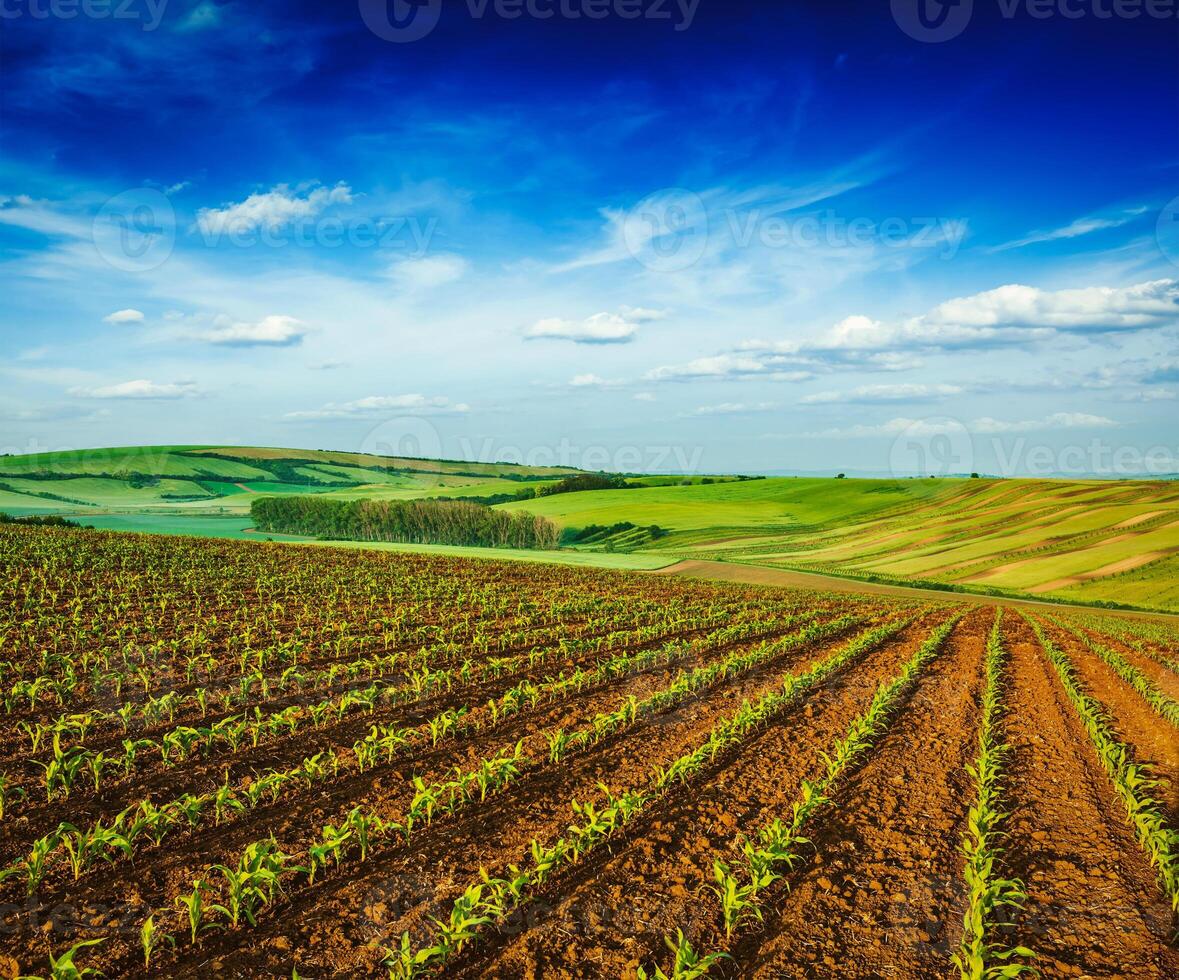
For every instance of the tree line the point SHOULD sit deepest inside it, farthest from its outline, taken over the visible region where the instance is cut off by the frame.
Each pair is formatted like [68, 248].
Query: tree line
[456, 522]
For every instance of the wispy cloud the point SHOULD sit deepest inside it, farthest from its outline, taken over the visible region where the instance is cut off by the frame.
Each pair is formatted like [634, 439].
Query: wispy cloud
[1074, 229]
[379, 405]
[985, 425]
[123, 316]
[428, 272]
[733, 408]
[871, 394]
[140, 389]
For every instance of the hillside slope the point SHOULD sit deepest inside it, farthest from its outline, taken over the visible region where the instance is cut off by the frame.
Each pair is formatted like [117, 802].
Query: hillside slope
[219, 480]
[1094, 540]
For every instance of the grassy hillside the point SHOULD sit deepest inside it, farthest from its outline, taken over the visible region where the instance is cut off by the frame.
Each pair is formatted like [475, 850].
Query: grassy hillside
[1095, 541]
[219, 480]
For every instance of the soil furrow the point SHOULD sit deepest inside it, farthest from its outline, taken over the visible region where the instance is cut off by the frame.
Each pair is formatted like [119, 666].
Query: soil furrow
[161, 870]
[1164, 679]
[885, 895]
[1150, 737]
[1094, 906]
[399, 890]
[602, 923]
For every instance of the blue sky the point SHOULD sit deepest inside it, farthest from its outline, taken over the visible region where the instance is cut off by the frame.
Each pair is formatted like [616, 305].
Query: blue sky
[711, 235]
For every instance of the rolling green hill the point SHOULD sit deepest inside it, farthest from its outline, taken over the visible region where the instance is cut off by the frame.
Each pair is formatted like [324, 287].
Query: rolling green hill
[1095, 540]
[220, 480]
[1100, 541]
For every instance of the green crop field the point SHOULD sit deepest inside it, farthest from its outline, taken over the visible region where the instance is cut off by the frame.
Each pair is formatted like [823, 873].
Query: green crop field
[1094, 541]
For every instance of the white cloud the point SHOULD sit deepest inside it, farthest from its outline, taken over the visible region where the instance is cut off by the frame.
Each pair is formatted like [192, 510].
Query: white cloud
[644, 396]
[124, 316]
[139, 389]
[590, 381]
[271, 210]
[429, 271]
[727, 366]
[1007, 315]
[919, 428]
[270, 331]
[375, 405]
[1092, 308]
[1074, 229]
[733, 408]
[640, 314]
[868, 394]
[601, 328]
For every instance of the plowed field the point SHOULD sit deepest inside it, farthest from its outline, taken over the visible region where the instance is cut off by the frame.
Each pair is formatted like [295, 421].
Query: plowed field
[246, 759]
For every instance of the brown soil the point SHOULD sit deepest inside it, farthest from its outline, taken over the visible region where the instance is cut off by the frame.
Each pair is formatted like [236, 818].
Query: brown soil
[1152, 739]
[885, 895]
[598, 923]
[398, 887]
[1163, 677]
[1094, 905]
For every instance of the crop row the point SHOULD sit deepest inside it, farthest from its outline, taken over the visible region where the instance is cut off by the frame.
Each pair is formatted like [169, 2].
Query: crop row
[109, 840]
[363, 826]
[1134, 782]
[989, 893]
[1166, 707]
[491, 900]
[66, 766]
[778, 845]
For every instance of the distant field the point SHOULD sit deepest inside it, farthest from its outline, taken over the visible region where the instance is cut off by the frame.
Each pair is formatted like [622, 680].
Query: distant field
[215, 480]
[1092, 541]
[1099, 541]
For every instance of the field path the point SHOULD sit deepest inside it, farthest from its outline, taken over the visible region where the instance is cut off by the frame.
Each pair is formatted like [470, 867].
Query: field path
[722, 571]
[1094, 905]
